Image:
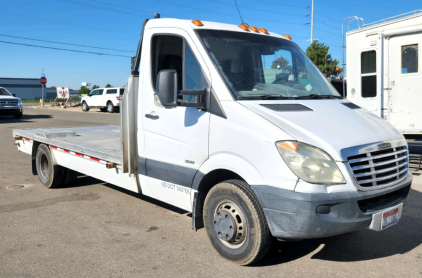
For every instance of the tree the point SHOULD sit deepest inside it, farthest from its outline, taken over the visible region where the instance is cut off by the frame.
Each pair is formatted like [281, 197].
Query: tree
[95, 87]
[84, 90]
[281, 62]
[318, 53]
[109, 86]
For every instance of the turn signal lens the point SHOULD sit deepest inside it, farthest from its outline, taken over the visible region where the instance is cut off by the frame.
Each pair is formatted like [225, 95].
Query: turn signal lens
[244, 27]
[287, 36]
[254, 29]
[263, 30]
[291, 146]
[197, 22]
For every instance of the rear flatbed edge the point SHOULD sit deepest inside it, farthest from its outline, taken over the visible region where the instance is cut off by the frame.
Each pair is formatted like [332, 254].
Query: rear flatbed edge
[102, 141]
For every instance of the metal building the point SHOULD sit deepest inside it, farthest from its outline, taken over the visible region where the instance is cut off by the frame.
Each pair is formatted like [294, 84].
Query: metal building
[24, 88]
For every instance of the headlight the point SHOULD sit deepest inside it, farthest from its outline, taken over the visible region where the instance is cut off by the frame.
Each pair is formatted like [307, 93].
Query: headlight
[19, 101]
[310, 163]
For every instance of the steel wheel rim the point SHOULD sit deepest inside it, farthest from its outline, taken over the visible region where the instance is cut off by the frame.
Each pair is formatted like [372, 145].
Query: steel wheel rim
[241, 224]
[110, 108]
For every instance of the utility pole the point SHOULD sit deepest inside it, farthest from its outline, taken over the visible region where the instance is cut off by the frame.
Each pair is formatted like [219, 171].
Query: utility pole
[312, 22]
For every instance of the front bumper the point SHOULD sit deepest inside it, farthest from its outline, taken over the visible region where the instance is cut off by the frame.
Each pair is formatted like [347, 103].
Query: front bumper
[293, 215]
[10, 111]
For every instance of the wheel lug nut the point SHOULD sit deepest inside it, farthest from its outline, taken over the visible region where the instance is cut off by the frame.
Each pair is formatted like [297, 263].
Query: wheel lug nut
[231, 228]
[227, 236]
[219, 214]
[219, 234]
[227, 216]
[215, 223]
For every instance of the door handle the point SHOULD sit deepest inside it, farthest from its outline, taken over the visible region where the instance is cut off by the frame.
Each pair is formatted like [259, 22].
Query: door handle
[153, 117]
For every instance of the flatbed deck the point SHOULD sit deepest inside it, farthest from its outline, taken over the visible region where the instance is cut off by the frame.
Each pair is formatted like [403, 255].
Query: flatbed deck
[103, 142]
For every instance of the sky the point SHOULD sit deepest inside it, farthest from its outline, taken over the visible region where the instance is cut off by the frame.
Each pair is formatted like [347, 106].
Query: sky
[117, 25]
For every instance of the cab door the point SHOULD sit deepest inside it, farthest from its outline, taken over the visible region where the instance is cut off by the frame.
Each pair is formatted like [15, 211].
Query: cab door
[405, 82]
[176, 139]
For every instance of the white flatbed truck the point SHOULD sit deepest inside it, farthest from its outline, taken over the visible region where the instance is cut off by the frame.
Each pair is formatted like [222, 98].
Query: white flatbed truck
[211, 124]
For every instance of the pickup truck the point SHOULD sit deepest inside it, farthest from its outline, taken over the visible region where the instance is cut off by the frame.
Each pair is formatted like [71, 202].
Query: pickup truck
[107, 99]
[212, 125]
[10, 105]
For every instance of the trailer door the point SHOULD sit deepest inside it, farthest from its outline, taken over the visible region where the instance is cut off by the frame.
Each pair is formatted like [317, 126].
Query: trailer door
[405, 82]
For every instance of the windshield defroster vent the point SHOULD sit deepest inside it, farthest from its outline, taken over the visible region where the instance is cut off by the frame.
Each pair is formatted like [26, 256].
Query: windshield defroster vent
[287, 107]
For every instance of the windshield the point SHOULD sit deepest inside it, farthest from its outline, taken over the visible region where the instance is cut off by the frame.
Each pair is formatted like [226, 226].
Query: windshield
[3, 92]
[257, 66]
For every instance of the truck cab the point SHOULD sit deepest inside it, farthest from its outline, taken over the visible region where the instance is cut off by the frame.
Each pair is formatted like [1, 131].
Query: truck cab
[236, 125]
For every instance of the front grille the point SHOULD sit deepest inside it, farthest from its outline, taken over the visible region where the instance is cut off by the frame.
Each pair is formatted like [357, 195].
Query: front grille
[8, 102]
[380, 168]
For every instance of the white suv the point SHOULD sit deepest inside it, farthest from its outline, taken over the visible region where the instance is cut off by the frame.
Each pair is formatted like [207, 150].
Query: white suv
[107, 99]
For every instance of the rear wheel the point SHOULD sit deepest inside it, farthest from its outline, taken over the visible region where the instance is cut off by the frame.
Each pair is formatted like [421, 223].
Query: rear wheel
[110, 107]
[85, 106]
[49, 174]
[18, 116]
[235, 222]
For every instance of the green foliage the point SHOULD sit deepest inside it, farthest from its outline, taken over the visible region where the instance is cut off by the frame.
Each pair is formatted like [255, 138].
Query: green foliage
[318, 53]
[95, 87]
[83, 90]
[109, 86]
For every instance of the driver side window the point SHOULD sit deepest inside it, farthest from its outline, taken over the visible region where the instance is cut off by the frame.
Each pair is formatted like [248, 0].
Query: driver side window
[172, 52]
[94, 93]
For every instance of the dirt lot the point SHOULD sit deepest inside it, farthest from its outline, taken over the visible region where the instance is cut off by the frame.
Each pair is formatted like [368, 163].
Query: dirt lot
[95, 229]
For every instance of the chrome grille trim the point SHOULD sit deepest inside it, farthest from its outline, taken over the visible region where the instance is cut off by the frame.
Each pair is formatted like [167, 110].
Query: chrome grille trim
[383, 178]
[8, 102]
[377, 165]
[377, 156]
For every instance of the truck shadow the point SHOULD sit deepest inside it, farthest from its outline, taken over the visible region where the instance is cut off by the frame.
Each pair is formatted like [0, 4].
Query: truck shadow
[87, 180]
[356, 246]
[25, 118]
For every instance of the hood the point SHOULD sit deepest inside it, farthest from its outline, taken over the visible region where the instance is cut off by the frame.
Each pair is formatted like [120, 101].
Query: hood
[8, 97]
[325, 123]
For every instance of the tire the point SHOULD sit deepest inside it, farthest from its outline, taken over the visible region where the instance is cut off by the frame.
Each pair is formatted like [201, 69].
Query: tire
[85, 106]
[103, 109]
[18, 116]
[110, 107]
[50, 175]
[69, 177]
[232, 211]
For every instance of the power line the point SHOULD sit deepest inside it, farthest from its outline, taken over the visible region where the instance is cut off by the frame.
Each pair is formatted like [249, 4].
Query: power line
[103, 8]
[326, 23]
[328, 32]
[255, 9]
[275, 3]
[232, 15]
[82, 26]
[64, 49]
[327, 16]
[80, 45]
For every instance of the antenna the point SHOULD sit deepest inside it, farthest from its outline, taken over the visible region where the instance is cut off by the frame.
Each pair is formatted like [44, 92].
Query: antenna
[239, 13]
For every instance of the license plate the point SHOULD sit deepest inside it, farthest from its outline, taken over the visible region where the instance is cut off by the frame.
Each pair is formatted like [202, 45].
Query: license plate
[389, 218]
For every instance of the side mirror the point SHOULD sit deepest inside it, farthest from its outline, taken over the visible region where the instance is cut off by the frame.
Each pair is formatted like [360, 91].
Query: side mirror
[14, 95]
[166, 88]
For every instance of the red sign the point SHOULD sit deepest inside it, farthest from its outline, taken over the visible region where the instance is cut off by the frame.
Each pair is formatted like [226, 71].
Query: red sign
[43, 80]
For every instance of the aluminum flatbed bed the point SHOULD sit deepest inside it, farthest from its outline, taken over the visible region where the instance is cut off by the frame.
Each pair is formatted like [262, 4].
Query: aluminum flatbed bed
[102, 142]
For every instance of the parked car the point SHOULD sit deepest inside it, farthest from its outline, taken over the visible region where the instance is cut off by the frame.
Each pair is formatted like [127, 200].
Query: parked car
[10, 104]
[107, 99]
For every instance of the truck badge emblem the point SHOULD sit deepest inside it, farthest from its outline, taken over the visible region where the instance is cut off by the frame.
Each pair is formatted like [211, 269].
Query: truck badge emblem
[384, 146]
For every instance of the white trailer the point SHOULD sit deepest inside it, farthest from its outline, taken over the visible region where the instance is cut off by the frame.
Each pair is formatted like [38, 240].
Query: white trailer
[253, 151]
[384, 70]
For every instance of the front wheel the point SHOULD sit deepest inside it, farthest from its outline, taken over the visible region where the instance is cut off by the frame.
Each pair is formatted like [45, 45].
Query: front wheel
[85, 107]
[110, 107]
[235, 222]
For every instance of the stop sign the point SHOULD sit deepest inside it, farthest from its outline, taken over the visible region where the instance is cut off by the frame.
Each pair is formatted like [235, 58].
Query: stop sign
[43, 80]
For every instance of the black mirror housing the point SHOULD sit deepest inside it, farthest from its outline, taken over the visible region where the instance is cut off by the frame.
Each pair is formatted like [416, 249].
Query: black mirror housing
[166, 88]
[14, 95]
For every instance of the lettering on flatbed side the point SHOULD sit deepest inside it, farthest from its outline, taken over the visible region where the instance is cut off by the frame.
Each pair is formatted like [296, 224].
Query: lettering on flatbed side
[175, 187]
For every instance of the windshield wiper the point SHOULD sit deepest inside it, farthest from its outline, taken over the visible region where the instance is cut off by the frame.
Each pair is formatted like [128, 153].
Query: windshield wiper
[315, 96]
[262, 97]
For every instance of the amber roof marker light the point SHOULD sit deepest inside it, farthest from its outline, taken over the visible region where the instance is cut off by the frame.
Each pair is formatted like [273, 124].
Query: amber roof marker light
[263, 30]
[253, 28]
[244, 27]
[197, 22]
[287, 36]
